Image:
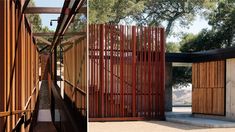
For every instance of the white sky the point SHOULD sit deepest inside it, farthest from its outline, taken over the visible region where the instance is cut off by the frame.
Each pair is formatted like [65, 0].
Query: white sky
[47, 17]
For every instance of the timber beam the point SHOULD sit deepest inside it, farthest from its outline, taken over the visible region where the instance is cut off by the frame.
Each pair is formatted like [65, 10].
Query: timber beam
[49, 10]
[66, 34]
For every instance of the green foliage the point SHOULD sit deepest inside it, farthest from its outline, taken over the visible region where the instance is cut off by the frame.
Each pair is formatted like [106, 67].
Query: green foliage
[170, 11]
[79, 23]
[181, 76]
[34, 19]
[172, 47]
[222, 20]
[112, 11]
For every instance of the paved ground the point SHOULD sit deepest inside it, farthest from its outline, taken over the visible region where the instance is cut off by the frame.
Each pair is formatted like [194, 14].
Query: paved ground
[149, 126]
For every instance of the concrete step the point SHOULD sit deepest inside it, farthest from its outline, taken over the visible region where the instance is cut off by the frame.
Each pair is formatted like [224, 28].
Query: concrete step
[202, 122]
[177, 114]
[216, 117]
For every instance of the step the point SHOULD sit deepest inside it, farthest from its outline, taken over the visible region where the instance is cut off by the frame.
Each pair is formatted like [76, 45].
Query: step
[178, 114]
[202, 122]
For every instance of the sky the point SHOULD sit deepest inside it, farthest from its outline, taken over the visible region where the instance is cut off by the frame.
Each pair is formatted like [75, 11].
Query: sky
[198, 24]
[47, 17]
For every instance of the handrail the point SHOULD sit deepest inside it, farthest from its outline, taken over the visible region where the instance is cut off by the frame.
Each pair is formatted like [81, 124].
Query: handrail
[76, 88]
[10, 113]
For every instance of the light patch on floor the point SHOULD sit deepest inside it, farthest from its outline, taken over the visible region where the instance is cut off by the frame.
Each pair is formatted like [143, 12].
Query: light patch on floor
[44, 115]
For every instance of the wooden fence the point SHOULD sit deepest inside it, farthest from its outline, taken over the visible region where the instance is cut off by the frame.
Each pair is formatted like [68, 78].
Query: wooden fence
[18, 67]
[75, 78]
[126, 72]
[208, 82]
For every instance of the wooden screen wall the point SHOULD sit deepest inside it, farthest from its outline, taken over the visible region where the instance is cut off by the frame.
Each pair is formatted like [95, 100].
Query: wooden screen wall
[126, 72]
[208, 82]
[75, 75]
[18, 68]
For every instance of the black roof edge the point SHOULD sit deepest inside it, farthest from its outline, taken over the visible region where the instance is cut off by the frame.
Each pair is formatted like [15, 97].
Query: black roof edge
[202, 56]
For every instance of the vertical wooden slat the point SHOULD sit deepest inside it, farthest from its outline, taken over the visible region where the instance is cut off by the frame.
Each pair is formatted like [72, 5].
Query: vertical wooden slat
[2, 59]
[101, 67]
[134, 71]
[121, 71]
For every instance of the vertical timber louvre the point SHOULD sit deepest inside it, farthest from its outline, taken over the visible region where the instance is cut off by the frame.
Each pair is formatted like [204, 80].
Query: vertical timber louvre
[19, 81]
[75, 77]
[126, 72]
[208, 82]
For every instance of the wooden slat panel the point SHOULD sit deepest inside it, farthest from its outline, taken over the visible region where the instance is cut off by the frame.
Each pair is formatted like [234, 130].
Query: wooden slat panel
[75, 72]
[208, 96]
[19, 74]
[130, 67]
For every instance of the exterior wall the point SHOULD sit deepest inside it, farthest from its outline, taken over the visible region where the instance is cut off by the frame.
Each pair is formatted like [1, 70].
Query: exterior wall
[230, 88]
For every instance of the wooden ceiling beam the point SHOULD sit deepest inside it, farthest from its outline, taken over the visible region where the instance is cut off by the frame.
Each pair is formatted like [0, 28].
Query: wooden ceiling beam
[66, 34]
[49, 10]
[43, 40]
[74, 38]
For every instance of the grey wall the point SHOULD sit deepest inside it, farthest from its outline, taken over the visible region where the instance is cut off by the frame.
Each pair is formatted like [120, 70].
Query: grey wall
[168, 87]
[230, 88]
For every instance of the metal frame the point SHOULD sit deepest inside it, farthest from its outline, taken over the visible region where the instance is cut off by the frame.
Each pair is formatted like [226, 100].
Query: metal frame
[67, 15]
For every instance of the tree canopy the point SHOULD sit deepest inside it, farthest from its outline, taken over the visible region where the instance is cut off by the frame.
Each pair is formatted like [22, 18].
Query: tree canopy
[113, 11]
[222, 34]
[147, 12]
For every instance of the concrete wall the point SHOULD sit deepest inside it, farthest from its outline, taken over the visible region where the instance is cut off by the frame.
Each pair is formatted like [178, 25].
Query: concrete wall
[230, 88]
[168, 87]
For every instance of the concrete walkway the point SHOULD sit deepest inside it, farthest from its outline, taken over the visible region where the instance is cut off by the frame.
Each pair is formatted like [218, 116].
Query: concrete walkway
[203, 121]
[150, 126]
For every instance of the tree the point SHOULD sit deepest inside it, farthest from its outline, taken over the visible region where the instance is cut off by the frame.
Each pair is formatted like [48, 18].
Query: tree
[35, 19]
[222, 34]
[113, 11]
[172, 47]
[158, 11]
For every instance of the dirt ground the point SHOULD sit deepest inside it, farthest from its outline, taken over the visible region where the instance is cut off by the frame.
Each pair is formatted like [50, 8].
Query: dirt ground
[149, 126]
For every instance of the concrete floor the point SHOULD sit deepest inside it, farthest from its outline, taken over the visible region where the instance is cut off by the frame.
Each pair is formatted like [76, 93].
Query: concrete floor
[149, 126]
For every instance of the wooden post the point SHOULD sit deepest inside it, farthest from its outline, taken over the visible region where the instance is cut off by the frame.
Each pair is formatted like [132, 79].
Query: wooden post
[101, 68]
[2, 59]
[134, 71]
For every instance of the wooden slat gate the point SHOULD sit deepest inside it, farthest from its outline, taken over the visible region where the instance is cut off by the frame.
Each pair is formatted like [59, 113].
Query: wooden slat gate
[208, 82]
[126, 72]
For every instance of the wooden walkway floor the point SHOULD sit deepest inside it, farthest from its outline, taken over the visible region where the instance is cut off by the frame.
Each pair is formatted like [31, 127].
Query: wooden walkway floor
[44, 122]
